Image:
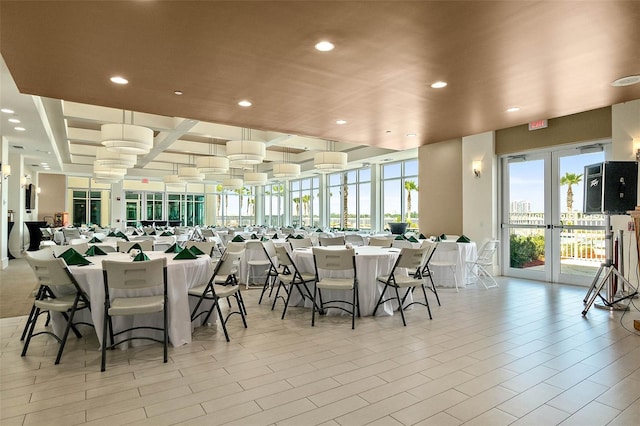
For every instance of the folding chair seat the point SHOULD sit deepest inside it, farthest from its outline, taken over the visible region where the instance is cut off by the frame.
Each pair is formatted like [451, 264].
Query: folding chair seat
[292, 277]
[58, 292]
[343, 261]
[412, 259]
[449, 264]
[479, 267]
[126, 276]
[331, 241]
[223, 284]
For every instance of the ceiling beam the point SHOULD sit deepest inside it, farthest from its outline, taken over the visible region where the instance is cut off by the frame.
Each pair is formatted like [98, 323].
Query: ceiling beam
[165, 139]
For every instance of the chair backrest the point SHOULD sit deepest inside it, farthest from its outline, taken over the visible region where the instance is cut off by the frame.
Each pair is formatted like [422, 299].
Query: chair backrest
[380, 242]
[411, 258]
[51, 272]
[207, 233]
[401, 244]
[485, 255]
[70, 234]
[269, 249]
[283, 256]
[332, 241]
[144, 238]
[300, 242]
[431, 248]
[354, 239]
[107, 248]
[205, 246]
[46, 252]
[235, 246]
[228, 264]
[334, 260]
[134, 275]
[125, 246]
[256, 248]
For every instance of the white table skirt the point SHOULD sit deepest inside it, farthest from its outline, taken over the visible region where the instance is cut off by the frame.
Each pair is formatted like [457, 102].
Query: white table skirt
[442, 275]
[181, 275]
[371, 262]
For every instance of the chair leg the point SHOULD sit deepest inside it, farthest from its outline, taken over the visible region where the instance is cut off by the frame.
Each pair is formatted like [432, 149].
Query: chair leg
[353, 308]
[241, 308]
[426, 301]
[222, 321]
[28, 324]
[404, 321]
[455, 279]
[433, 288]
[313, 307]
[384, 290]
[264, 289]
[103, 361]
[30, 333]
[63, 341]
[166, 332]
[73, 327]
[286, 302]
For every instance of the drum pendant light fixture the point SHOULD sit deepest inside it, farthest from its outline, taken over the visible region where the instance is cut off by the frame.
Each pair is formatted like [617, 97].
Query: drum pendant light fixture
[286, 169]
[212, 164]
[105, 157]
[330, 161]
[246, 152]
[255, 178]
[126, 138]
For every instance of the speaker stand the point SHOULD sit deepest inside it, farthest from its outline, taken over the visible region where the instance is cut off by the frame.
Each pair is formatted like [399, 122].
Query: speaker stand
[609, 302]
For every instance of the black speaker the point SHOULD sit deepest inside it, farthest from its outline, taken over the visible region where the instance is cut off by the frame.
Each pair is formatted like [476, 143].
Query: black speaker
[610, 187]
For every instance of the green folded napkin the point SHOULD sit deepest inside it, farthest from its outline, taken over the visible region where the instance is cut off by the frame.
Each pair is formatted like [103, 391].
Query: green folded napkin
[95, 251]
[166, 234]
[140, 257]
[443, 237]
[275, 236]
[254, 237]
[135, 232]
[264, 239]
[136, 246]
[95, 240]
[422, 237]
[289, 236]
[238, 239]
[400, 237]
[412, 239]
[195, 250]
[185, 254]
[174, 249]
[299, 237]
[152, 233]
[120, 234]
[74, 258]
[319, 230]
[463, 239]
[112, 234]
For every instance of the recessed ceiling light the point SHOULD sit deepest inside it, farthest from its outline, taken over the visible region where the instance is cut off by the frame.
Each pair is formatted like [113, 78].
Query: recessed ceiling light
[341, 121]
[626, 81]
[245, 103]
[177, 92]
[411, 135]
[439, 84]
[119, 80]
[513, 109]
[20, 129]
[7, 111]
[324, 46]
[14, 120]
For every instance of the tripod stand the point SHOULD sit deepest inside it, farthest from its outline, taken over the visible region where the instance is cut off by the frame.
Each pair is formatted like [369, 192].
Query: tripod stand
[609, 302]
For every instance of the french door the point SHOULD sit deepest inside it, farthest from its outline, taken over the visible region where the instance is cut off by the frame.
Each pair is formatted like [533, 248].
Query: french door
[545, 235]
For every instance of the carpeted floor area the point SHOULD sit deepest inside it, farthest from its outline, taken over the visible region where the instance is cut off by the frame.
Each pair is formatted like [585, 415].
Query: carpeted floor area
[16, 284]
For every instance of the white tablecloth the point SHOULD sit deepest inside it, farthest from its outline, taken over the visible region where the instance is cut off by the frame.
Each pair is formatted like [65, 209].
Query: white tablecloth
[181, 275]
[371, 262]
[442, 276]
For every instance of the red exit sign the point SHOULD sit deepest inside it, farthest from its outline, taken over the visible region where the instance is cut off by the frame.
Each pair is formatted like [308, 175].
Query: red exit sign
[538, 124]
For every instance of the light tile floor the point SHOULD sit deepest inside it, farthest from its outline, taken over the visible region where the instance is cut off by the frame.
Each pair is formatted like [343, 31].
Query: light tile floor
[520, 354]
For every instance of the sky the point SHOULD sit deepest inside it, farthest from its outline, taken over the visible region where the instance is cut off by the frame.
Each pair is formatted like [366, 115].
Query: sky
[527, 180]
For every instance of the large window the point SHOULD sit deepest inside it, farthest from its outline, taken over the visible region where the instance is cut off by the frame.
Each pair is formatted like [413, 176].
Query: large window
[350, 199]
[154, 205]
[274, 205]
[235, 207]
[305, 203]
[186, 208]
[400, 193]
[87, 207]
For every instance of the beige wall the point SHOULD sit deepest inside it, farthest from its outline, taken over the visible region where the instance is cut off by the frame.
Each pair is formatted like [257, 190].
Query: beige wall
[440, 184]
[53, 191]
[585, 126]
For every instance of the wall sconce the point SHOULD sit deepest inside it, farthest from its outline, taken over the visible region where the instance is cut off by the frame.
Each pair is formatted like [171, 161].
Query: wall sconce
[38, 190]
[477, 168]
[636, 148]
[6, 171]
[23, 180]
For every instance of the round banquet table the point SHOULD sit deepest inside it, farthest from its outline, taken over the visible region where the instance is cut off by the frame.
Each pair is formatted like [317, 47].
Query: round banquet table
[371, 262]
[181, 275]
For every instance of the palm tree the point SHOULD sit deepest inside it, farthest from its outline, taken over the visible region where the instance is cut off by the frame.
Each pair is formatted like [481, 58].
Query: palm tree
[345, 201]
[297, 203]
[570, 179]
[409, 186]
[305, 204]
[218, 200]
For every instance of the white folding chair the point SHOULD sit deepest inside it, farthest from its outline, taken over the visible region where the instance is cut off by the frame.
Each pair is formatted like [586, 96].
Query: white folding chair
[412, 260]
[478, 267]
[335, 260]
[354, 239]
[127, 276]
[292, 277]
[380, 242]
[300, 243]
[331, 241]
[449, 264]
